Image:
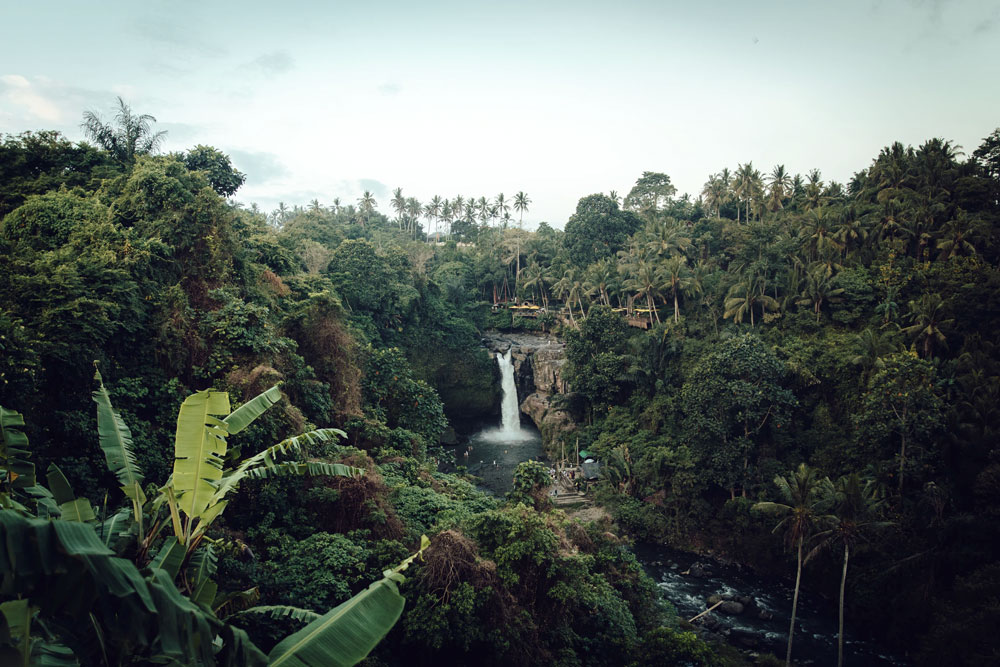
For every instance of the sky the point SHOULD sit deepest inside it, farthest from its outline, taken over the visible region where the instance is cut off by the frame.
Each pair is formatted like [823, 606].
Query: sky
[556, 99]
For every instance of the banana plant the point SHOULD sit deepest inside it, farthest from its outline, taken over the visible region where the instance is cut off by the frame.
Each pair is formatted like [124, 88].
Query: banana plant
[198, 490]
[116, 442]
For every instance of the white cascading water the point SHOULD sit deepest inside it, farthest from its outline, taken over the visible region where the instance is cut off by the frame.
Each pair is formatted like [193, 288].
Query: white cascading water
[510, 412]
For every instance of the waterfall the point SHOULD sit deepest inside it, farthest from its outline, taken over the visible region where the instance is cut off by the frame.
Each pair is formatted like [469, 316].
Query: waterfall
[510, 412]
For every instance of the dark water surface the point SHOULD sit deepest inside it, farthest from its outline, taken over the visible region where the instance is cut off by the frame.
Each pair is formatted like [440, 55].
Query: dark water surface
[492, 455]
[815, 639]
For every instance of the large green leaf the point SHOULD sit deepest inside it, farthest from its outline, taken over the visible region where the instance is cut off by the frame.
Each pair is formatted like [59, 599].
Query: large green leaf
[278, 612]
[71, 508]
[199, 446]
[15, 469]
[116, 442]
[347, 633]
[244, 415]
[269, 457]
[309, 468]
[65, 571]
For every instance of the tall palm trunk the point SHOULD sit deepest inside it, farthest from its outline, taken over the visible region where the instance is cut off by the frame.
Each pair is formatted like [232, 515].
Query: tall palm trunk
[840, 632]
[677, 310]
[795, 604]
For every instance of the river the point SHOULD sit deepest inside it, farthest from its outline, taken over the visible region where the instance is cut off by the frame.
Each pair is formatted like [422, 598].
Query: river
[493, 453]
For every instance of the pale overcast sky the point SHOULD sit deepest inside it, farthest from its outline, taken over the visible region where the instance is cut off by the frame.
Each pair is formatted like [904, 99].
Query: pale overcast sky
[559, 99]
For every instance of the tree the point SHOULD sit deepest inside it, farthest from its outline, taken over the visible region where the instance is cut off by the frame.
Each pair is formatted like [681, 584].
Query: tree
[853, 518]
[779, 184]
[598, 229]
[650, 194]
[732, 395]
[678, 280]
[367, 205]
[901, 404]
[521, 203]
[927, 315]
[398, 204]
[819, 289]
[805, 500]
[127, 137]
[221, 174]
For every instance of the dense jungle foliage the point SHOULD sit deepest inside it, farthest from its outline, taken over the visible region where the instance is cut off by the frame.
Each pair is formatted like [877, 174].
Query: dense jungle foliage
[789, 321]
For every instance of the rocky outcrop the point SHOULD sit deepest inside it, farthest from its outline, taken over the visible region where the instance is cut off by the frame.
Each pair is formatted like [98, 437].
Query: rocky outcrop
[538, 372]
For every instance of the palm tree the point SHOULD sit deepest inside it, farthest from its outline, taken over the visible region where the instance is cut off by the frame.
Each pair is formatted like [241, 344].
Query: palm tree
[744, 296]
[127, 137]
[413, 210]
[779, 184]
[503, 208]
[856, 506]
[805, 500]
[646, 283]
[814, 190]
[433, 209]
[367, 204]
[665, 237]
[954, 238]
[819, 289]
[521, 203]
[928, 320]
[874, 345]
[398, 204]
[677, 280]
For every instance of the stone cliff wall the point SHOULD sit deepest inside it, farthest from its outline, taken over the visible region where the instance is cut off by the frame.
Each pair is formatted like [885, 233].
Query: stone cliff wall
[544, 394]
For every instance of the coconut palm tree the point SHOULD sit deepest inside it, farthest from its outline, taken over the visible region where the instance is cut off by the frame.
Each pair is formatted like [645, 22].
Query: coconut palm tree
[779, 185]
[819, 289]
[854, 517]
[367, 204]
[646, 282]
[521, 203]
[805, 501]
[398, 204]
[927, 316]
[744, 296]
[677, 280]
[503, 208]
[413, 211]
[127, 136]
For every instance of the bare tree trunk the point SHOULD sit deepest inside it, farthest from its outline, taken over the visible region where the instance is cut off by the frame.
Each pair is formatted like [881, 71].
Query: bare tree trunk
[795, 604]
[840, 633]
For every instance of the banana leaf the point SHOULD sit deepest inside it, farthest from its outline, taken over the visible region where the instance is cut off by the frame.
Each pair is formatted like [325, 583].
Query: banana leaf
[116, 442]
[343, 636]
[278, 612]
[244, 415]
[268, 457]
[309, 468]
[64, 570]
[71, 508]
[15, 469]
[199, 447]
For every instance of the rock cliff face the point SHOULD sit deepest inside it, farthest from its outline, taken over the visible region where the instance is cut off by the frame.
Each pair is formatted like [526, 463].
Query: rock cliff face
[544, 393]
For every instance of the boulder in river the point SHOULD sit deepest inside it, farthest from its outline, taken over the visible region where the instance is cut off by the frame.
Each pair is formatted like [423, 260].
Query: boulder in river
[731, 607]
[700, 570]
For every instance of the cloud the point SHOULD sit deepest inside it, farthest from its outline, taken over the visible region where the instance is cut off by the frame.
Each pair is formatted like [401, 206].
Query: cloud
[377, 188]
[390, 89]
[34, 104]
[260, 167]
[271, 64]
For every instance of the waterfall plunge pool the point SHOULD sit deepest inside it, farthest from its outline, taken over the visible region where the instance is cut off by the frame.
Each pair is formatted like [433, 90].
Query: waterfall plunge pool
[493, 452]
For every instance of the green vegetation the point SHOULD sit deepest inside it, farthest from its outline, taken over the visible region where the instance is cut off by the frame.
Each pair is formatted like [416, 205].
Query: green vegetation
[775, 323]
